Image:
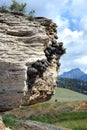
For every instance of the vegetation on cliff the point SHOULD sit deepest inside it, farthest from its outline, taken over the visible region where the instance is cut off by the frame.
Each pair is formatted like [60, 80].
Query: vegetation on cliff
[18, 8]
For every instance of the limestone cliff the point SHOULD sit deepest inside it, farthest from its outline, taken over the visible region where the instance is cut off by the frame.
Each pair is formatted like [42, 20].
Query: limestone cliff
[29, 60]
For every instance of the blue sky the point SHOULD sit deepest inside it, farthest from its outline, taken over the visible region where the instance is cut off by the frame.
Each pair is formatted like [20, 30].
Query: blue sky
[71, 18]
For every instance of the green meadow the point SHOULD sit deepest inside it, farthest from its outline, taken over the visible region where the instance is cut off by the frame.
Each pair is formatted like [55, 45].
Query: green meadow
[66, 95]
[66, 109]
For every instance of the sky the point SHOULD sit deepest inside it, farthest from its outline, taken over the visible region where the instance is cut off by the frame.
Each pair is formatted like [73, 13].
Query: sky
[71, 18]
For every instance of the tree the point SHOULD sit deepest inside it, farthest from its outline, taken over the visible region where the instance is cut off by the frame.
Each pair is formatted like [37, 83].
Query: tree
[3, 8]
[17, 7]
[31, 15]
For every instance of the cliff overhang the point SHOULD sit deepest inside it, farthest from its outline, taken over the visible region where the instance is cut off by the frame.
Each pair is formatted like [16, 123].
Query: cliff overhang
[29, 60]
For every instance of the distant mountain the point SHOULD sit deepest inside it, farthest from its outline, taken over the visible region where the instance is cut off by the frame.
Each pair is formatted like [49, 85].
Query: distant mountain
[84, 77]
[75, 74]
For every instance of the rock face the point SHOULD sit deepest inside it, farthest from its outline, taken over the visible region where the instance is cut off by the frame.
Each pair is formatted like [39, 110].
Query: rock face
[29, 60]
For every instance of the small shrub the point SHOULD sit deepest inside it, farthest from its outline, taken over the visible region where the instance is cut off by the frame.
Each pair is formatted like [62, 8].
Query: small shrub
[10, 121]
[31, 15]
[3, 8]
[17, 7]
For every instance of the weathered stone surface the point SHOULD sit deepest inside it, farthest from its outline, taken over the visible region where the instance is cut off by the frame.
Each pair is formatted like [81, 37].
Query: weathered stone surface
[29, 60]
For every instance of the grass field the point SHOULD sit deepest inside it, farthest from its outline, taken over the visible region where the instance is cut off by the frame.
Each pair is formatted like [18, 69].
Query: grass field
[66, 108]
[74, 124]
[66, 95]
[73, 120]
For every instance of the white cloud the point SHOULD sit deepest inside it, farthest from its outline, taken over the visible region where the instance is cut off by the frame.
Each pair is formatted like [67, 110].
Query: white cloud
[61, 22]
[82, 60]
[83, 23]
[76, 44]
[78, 8]
[86, 71]
[69, 36]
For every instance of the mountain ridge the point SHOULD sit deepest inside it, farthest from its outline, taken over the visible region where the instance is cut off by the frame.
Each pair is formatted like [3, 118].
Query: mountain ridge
[75, 73]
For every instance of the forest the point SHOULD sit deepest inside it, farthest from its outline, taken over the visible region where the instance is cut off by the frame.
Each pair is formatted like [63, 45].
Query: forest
[73, 84]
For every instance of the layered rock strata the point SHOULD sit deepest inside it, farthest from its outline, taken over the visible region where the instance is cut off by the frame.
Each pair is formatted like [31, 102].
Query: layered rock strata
[29, 60]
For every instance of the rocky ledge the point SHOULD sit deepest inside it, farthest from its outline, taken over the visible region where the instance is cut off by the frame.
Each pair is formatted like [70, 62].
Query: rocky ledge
[29, 60]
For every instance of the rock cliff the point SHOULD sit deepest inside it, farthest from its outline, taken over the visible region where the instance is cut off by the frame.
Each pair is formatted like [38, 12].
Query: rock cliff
[29, 60]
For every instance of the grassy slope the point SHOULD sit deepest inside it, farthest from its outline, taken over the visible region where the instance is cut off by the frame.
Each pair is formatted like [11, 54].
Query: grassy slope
[71, 114]
[66, 95]
[56, 112]
[80, 124]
